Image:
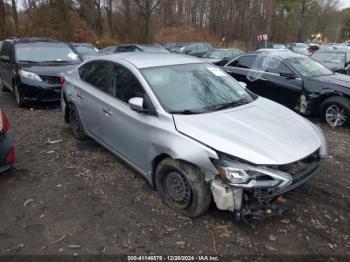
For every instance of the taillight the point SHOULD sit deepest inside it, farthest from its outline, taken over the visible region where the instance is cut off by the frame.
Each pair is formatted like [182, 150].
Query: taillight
[11, 156]
[62, 80]
[5, 122]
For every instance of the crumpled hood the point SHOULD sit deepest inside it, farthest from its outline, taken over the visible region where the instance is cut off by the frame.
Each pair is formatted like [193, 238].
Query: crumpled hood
[337, 79]
[262, 132]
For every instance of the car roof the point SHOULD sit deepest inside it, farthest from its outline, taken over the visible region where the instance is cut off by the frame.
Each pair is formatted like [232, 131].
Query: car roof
[341, 50]
[32, 40]
[278, 54]
[148, 59]
[225, 49]
[272, 50]
[122, 45]
[82, 44]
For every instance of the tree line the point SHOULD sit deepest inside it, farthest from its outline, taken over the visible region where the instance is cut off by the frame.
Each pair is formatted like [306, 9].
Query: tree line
[117, 21]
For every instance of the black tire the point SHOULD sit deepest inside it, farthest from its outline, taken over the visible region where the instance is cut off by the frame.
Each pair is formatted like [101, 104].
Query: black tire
[194, 198]
[76, 124]
[336, 104]
[2, 86]
[18, 96]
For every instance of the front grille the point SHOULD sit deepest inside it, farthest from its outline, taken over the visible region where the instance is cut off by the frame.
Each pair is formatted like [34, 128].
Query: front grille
[52, 80]
[301, 171]
[295, 168]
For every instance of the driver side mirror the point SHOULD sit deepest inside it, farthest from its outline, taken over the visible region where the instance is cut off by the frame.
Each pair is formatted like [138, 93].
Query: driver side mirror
[136, 104]
[5, 59]
[288, 75]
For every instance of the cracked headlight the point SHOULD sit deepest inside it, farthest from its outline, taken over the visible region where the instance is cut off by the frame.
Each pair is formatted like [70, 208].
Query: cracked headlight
[248, 176]
[29, 75]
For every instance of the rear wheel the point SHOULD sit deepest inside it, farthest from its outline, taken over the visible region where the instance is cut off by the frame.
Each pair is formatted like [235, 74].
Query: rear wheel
[182, 187]
[18, 96]
[336, 111]
[76, 125]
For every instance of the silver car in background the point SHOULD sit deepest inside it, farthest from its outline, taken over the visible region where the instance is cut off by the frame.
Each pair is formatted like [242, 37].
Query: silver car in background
[194, 132]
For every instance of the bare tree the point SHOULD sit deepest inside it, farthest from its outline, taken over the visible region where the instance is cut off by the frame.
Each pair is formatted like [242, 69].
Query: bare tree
[109, 6]
[146, 9]
[15, 15]
[3, 20]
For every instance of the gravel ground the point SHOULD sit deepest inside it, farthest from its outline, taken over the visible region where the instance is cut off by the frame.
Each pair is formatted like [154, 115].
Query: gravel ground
[75, 197]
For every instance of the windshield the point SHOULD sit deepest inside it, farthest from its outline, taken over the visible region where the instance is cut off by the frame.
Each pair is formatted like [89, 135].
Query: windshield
[329, 57]
[85, 50]
[308, 67]
[45, 52]
[195, 88]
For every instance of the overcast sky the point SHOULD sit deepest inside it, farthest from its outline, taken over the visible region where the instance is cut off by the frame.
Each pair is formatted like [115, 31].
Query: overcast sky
[345, 3]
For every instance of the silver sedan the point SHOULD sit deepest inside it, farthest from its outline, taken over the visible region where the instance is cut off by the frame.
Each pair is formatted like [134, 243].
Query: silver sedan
[193, 131]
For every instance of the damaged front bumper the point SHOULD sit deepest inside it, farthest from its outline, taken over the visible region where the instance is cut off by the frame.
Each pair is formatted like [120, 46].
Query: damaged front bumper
[262, 196]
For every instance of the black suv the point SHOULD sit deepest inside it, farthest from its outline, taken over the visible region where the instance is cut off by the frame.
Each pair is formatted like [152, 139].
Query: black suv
[31, 68]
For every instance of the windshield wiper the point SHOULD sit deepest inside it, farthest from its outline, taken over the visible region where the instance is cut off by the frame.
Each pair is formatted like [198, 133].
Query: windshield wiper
[185, 112]
[229, 105]
[57, 61]
[28, 61]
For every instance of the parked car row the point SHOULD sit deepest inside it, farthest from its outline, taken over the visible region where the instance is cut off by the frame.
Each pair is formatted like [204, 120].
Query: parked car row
[32, 68]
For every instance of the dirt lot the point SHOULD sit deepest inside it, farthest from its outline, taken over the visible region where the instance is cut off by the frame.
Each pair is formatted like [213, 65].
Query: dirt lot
[77, 193]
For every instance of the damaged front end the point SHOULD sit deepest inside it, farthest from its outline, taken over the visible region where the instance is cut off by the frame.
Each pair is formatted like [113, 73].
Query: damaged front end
[246, 189]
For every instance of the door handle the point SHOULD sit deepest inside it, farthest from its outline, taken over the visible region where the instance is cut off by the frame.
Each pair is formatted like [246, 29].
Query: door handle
[263, 79]
[80, 97]
[106, 111]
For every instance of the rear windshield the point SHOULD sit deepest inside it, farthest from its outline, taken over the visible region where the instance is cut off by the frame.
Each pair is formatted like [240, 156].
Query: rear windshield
[330, 57]
[45, 52]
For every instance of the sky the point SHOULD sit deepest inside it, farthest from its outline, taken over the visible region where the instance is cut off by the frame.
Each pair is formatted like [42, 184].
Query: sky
[345, 3]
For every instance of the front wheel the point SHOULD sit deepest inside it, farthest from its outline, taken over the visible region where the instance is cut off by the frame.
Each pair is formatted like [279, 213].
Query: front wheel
[336, 111]
[182, 187]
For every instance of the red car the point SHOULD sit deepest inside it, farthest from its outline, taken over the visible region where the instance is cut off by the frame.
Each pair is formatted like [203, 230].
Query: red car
[7, 149]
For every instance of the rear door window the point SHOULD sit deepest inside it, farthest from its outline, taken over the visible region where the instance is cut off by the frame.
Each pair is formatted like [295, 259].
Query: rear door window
[124, 84]
[97, 74]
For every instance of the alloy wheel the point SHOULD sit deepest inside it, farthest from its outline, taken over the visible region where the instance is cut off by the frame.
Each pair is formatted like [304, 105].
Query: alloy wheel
[336, 115]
